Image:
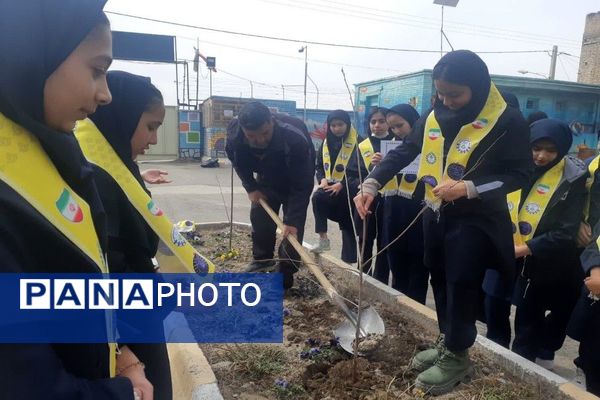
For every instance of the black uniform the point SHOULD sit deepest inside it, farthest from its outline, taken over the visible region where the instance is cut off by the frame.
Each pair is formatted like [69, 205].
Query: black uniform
[335, 208]
[405, 255]
[35, 38]
[469, 235]
[375, 220]
[131, 242]
[585, 321]
[284, 172]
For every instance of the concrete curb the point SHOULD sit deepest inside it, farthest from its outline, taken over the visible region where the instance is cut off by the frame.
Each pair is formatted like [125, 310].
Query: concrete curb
[425, 317]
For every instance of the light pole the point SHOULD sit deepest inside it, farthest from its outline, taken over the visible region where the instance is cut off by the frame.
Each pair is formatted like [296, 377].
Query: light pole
[524, 72]
[304, 49]
[449, 3]
[316, 87]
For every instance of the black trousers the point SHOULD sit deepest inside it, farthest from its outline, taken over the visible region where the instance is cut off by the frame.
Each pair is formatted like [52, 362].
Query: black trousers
[336, 209]
[374, 233]
[264, 235]
[497, 319]
[456, 254]
[538, 334]
[405, 256]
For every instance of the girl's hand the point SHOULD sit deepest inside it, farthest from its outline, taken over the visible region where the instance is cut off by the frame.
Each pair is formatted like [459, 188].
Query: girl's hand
[155, 176]
[334, 189]
[376, 160]
[450, 190]
[522, 251]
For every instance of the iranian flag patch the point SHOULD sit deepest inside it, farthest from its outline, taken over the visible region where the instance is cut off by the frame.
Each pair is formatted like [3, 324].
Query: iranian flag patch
[68, 207]
[434, 133]
[542, 189]
[157, 212]
[480, 123]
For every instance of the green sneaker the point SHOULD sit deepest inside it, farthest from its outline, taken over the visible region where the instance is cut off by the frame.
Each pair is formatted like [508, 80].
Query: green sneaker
[450, 369]
[426, 359]
[323, 246]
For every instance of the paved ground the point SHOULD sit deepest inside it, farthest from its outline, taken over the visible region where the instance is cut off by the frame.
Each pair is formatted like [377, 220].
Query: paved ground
[203, 195]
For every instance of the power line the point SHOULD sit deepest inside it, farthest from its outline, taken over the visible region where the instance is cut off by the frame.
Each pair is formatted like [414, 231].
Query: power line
[309, 41]
[361, 14]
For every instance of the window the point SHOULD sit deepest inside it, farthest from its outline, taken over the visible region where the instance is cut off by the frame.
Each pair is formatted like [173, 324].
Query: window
[532, 104]
[560, 106]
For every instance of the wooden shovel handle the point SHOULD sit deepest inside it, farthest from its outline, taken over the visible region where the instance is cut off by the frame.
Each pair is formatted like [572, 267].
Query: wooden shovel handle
[302, 252]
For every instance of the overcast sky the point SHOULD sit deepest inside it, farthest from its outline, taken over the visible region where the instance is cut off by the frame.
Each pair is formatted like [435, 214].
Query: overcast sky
[478, 25]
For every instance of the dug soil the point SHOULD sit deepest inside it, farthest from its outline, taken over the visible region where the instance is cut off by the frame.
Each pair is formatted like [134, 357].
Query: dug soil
[310, 365]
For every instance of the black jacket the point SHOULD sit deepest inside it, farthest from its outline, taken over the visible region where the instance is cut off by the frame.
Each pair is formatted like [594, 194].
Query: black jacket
[554, 253]
[29, 243]
[500, 165]
[287, 166]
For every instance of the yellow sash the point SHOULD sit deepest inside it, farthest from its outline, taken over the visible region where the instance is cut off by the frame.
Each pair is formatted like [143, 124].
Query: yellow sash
[26, 168]
[535, 204]
[431, 166]
[99, 152]
[367, 152]
[339, 169]
[592, 168]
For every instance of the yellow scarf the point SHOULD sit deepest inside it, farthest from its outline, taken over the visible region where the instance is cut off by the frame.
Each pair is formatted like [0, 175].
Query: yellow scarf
[592, 168]
[28, 170]
[535, 204]
[367, 152]
[339, 169]
[431, 166]
[99, 152]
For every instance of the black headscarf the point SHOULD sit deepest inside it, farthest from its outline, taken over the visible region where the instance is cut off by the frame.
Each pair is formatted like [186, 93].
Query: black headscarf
[557, 132]
[118, 120]
[334, 143]
[406, 111]
[36, 37]
[128, 231]
[461, 67]
[510, 99]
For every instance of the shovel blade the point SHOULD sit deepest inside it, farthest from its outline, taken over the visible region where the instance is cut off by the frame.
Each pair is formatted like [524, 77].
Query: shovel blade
[370, 323]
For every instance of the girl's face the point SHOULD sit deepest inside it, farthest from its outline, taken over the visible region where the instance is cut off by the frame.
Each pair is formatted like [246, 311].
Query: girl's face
[544, 152]
[147, 129]
[338, 127]
[399, 126]
[378, 125]
[78, 86]
[452, 95]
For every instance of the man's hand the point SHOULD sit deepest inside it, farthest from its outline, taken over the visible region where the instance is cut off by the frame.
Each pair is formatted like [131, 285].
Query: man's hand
[323, 183]
[363, 202]
[584, 236]
[522, 251]
[289, 230]
[377, 157]
[334, 189]
[155, 176]
[450, 190]
[255, 196]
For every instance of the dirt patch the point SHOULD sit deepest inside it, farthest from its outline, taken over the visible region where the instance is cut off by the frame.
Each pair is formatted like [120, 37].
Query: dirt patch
[310, 364]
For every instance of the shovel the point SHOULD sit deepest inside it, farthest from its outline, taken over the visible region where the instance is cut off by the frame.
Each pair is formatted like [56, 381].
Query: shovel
[370, 321]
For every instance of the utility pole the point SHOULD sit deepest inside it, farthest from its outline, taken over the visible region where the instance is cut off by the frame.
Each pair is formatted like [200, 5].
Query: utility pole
[282, 91]
[553, 62]
[304, 50]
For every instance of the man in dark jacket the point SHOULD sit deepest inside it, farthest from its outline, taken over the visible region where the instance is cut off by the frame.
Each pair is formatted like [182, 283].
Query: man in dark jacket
[275, 159]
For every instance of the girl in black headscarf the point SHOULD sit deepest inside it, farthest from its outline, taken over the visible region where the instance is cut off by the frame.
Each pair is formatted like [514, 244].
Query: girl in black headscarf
[129, 124]
[485, 155]
[330, 200]
[550, 276]
[369, 158]
[55, 54]
[400, 207]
